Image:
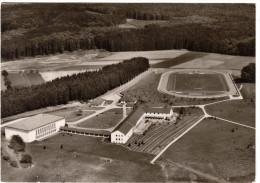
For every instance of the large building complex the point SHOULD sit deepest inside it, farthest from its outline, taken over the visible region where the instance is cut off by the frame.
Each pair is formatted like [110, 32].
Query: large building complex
[35, 128]
[137, 118]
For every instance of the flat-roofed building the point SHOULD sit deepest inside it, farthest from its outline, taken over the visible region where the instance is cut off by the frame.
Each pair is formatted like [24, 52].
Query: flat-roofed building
[35, 128]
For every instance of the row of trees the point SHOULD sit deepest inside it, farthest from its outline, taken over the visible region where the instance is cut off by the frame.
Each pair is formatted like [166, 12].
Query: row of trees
[82, 86]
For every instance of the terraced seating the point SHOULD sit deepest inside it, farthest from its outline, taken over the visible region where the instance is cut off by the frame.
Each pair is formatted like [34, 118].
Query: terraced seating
[160, 135]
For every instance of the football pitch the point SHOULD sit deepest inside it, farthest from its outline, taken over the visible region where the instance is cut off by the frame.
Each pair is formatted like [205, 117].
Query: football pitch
[197, 82]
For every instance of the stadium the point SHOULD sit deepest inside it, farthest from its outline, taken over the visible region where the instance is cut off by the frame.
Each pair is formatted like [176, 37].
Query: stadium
[198, 83]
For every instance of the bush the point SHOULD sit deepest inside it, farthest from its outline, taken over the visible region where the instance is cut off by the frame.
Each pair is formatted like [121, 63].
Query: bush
[17, 143]
[14, 164]
[6, 158]
[248, 73]
[26, 159]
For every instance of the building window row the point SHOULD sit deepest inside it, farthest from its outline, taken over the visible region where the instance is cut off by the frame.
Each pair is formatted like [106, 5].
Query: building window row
[45, 130]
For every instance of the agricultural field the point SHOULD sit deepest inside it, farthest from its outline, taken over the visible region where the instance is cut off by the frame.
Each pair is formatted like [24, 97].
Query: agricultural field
[217, 61]
[83, 159]
[185, 57]
[107, 119]
[188, 82]
[213, 150]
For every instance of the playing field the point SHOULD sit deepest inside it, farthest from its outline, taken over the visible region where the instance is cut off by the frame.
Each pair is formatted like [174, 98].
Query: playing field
[196, 82]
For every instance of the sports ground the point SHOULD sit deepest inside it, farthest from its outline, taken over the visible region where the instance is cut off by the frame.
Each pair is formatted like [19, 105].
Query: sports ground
[197, 83]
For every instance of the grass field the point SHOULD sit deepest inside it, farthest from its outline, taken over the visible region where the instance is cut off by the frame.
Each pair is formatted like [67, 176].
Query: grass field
[70, 115]
[148, 95]
[241, 111]
[188, 82]
[25, 79]
[211, 150]
[179, 59]
[104, 120]
[80, 160]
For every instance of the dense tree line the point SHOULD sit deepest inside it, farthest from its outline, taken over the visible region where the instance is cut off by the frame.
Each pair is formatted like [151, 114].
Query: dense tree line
[248, 73]
[82, 86]
[53, 28]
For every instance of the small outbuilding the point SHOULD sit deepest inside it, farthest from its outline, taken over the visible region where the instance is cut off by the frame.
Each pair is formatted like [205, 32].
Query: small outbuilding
[35, 128]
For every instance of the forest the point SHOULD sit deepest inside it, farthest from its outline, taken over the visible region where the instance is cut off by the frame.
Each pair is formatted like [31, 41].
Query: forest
[41, 29]
[82, 87]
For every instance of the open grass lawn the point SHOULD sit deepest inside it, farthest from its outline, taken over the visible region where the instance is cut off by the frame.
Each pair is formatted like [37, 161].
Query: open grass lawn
[80, 161]
[207, 82]
[70, 115]
[241, 111]
[104, 120]
[25, 79]
[179, 59]
[148, 95]
[211, 150]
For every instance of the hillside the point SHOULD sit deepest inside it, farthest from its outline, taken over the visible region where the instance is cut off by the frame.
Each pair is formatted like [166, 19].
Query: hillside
[31, 29]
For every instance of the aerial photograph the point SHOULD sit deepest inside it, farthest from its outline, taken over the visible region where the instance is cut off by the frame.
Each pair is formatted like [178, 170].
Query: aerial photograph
[128, 92]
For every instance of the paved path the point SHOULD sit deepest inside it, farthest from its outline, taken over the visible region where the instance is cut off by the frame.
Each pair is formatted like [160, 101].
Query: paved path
[235, 122]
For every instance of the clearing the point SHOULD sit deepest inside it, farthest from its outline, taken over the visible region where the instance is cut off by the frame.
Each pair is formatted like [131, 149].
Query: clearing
[212, 150]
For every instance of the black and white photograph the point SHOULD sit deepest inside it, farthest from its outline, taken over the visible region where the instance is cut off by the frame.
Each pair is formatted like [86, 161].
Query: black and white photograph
[129, 91]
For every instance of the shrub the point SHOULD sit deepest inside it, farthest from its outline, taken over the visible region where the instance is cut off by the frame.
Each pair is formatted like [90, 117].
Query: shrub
[13, 164]
[6, 158]
[26, 159]
[17, 143]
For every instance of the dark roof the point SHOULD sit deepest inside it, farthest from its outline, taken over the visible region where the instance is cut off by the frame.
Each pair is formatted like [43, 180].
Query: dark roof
[98, 132]
[131, 120]
[127, 98]
[34, 122]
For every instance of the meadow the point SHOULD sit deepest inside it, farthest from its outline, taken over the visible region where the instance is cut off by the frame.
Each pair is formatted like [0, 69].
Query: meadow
[214, 151]
[83, 159]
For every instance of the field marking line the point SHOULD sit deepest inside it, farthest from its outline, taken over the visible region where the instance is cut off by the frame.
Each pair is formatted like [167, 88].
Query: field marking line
[234, 122]
[156, 157]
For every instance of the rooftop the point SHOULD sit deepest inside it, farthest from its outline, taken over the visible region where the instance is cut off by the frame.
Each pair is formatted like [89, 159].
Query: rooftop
[135, 115]
[34, 122]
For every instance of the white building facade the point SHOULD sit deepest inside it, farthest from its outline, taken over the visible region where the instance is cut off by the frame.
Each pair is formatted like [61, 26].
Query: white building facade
[126, 128]
[35, 128]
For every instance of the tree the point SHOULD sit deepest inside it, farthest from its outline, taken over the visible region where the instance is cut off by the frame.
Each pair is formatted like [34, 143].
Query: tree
[248, 73]
[26, 158]
[61, 146]
[4, 73]
[17, 143]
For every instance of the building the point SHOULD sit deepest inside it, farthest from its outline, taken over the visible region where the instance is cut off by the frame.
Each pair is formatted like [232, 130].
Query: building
[126, 129]
[128, 100]
[35, 128]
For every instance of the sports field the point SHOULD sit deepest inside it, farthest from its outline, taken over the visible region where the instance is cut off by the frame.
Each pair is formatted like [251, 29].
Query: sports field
[189, 82]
